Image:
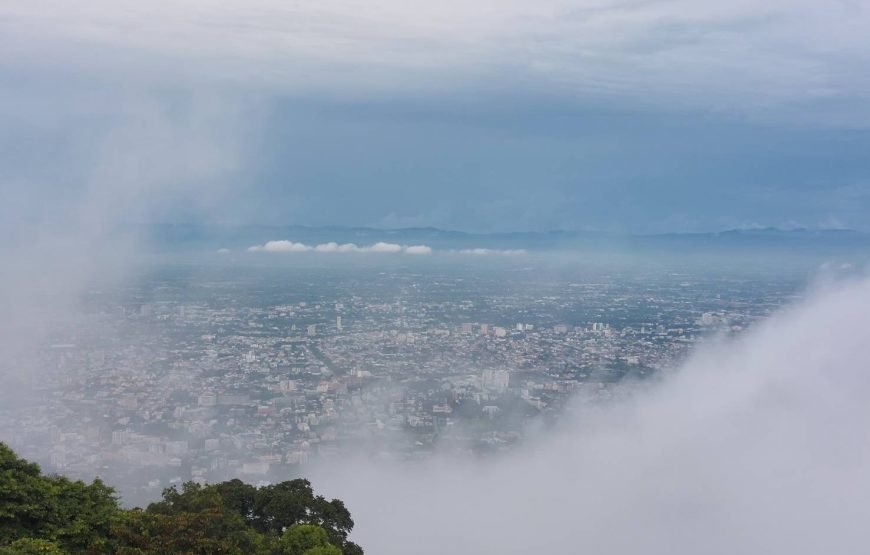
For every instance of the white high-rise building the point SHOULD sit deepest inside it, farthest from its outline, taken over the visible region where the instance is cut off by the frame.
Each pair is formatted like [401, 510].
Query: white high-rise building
[338, 323]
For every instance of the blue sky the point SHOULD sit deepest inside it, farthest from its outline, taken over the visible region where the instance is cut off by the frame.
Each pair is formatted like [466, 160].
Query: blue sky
[620, 115]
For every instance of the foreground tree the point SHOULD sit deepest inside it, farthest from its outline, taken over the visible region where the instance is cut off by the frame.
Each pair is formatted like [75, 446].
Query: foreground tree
[75, 515]
[54, 515]
[307, 539]
[30, 546]
[270, 510]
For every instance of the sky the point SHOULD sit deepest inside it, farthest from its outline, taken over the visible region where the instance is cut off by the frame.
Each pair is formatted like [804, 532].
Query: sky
[635, 116]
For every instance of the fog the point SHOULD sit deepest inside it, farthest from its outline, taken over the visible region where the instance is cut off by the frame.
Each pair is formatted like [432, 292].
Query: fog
[758, 445]
[755, 445]
[73, 220]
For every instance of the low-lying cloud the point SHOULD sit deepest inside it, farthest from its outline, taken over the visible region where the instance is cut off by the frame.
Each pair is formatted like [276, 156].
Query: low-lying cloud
[280, 246]
[419, 249]
[332, 247]
[754, 446]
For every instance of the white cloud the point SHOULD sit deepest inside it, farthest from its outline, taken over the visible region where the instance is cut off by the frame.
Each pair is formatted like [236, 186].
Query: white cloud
[223, 251]
[757, 446]
[418, 249]
[333, 247]
[384, 247]
[280, 246]
[487, 252]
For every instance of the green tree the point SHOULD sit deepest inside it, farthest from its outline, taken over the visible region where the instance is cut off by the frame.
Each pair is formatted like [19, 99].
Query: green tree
[209, 531]
[239, 497]
[280, 506]
[24, 497]
[307, 539]
[324, 550]
[31, 546]
[55, 515]
[73, 514]
[82, 514]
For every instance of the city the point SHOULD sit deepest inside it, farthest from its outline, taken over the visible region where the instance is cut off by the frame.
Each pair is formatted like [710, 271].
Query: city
[261, 372]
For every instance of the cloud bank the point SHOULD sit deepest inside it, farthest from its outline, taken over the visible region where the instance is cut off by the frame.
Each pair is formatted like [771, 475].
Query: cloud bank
[734, 56]
[332, 247]
[757, 446]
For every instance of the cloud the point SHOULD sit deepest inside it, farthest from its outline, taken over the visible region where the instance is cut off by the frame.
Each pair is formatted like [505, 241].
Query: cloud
[754, 446]
[735, 56]
[223, 251]
[280, 246]
[384, 247]
[142, 156]
[497, 252]
[418, 249]
[333, 247]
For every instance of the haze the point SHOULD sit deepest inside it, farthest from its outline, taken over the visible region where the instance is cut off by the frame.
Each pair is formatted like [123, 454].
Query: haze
[566, 275]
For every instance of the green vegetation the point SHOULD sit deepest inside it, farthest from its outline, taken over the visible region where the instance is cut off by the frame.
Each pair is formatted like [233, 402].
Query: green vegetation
[52, 515]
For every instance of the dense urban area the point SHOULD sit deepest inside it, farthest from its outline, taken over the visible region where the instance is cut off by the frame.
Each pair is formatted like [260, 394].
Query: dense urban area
[260, 371]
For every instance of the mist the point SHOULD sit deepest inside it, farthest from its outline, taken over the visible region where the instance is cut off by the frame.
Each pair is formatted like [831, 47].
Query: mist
[605, 116]
[754, 445]
[76, 219]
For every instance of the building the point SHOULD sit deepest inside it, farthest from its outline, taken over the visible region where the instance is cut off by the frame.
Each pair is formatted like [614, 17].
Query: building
[495, 380]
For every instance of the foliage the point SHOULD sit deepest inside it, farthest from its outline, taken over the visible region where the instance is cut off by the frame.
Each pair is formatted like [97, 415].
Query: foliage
[73, 514]
[54, 515]
[31, 546]
[307, 539]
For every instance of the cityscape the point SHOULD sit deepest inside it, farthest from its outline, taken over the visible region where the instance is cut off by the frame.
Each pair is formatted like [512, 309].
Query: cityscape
[263, 372]
[472, 277]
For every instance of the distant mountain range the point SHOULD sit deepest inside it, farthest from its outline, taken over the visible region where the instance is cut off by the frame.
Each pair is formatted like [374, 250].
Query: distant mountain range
[193, 236]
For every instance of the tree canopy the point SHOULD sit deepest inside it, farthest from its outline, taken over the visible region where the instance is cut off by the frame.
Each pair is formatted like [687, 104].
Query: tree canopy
[54, 515]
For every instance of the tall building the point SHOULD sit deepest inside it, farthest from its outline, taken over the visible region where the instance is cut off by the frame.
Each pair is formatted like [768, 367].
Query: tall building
[312, 330]
[495, 380]
[484, 329]
[338, 323]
